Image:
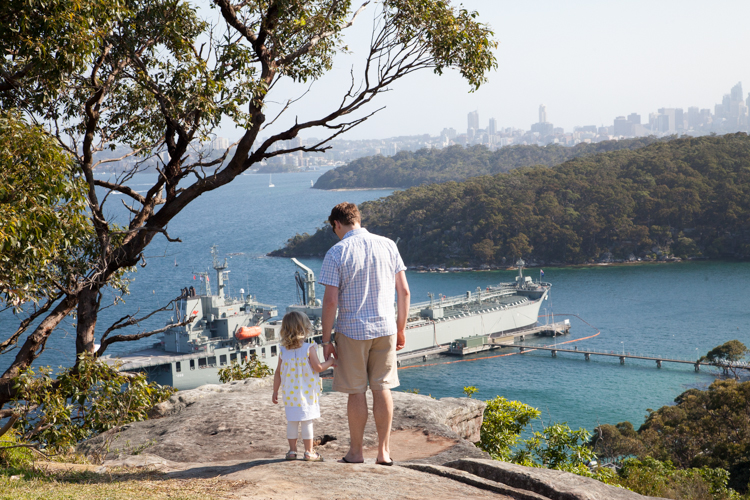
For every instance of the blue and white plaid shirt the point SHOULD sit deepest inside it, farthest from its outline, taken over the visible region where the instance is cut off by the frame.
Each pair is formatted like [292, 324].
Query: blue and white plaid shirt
[364, 266]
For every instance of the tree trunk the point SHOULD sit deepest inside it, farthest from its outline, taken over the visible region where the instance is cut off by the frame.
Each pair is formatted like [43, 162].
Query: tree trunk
[34, 346]
[88, 311]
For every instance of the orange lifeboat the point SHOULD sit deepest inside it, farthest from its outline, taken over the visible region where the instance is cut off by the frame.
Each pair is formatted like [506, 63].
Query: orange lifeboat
[247, 332]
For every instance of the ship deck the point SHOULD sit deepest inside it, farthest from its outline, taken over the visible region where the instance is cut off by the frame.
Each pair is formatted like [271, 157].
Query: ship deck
[149, 357]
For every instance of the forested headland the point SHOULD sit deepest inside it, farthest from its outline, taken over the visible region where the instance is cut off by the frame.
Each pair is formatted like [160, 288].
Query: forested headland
[456, 163]
[689, 197]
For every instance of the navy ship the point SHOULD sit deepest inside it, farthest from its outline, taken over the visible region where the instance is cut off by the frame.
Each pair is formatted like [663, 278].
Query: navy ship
[223, 330]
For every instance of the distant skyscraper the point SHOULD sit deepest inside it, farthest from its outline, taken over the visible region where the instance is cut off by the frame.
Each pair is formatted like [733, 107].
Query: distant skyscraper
[623, 127]
[634, 118]
[450, 133]
[473, 121]
[736, 92]
[493, 126]
[679, 119]
[542, 113]
[693, 118]
[665, 120]
[220, 143]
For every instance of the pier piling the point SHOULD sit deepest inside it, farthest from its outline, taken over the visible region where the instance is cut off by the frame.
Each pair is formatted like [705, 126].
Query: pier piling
[658, 363]
[622, 360]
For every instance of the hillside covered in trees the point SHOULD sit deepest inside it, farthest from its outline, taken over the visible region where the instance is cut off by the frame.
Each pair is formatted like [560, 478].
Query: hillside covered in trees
[688, 197]
[456, 163]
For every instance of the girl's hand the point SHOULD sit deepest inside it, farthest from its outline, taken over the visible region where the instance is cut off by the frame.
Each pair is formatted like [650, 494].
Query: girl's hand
[275, 398]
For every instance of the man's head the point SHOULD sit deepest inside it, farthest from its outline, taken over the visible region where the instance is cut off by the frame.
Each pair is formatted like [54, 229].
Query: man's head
[344, 217]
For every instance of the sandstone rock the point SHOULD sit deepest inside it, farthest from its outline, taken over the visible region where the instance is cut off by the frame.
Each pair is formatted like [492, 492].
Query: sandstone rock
[237, 421]
[234, 432]
[552, 484]
[278, 479]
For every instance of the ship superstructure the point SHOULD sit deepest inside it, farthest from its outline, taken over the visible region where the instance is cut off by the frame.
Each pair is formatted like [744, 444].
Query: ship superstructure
[225, 330]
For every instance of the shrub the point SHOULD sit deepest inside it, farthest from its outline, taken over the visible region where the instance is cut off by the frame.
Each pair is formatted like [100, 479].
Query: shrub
[652, 477]
[251, 368]
[90, 398]
[14, 459]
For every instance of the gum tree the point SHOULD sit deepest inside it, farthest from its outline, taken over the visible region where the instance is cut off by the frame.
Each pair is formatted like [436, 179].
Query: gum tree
[153, 76]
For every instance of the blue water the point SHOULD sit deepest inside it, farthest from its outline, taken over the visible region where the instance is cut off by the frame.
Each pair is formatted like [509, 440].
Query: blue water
[671, 310]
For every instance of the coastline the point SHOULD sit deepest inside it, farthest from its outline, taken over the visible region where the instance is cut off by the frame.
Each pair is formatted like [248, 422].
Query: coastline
[360, 189]
[458, 269]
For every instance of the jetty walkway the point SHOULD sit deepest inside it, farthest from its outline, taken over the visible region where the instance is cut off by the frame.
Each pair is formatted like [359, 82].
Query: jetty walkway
[587, 353]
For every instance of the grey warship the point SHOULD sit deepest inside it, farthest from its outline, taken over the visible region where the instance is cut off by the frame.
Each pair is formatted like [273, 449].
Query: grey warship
[226, 330]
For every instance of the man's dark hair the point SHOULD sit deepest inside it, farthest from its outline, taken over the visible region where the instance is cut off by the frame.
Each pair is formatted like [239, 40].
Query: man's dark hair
[346, 213]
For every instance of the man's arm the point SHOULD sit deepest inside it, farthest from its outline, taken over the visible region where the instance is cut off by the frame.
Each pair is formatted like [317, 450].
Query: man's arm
[403, 293]
[330, 304]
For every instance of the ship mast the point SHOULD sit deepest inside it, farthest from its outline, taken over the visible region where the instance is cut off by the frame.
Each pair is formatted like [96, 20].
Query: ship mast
[219, 270]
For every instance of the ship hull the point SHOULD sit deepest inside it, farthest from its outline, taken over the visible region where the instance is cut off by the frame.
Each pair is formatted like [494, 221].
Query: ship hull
[188, 371]
[426, 334]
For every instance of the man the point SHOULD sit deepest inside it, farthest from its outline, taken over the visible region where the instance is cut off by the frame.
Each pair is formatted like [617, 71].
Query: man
[360, 273]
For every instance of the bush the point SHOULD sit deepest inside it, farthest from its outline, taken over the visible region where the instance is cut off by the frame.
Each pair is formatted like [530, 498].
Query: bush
[557, 447]
[57, 413]
[652, 477]
[502, 426]
[14, 459]
[251, 368]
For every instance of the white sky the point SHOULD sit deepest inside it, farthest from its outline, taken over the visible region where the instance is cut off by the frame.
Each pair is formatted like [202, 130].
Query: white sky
[587, 61]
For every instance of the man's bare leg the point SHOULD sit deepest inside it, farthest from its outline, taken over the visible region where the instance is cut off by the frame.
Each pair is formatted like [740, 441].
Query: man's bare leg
[382, 409]
[356, 410]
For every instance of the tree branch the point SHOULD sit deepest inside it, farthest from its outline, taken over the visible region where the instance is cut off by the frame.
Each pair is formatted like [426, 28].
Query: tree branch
[310, 44]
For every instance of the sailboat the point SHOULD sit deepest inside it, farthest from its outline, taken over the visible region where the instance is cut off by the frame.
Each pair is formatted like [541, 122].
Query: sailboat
[270, 181]
[311, 183]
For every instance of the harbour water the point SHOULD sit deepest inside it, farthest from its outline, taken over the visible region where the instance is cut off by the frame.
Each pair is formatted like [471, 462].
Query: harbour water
[670, 310]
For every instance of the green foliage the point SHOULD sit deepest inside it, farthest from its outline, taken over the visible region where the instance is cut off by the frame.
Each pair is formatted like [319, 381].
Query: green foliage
[638, 202]
[655, 478]
[704, 429]
[732, 351]
[56, 413]
[251, 368]
[557, 447]
[412, 391]
[470, 390]
[452, 36]
[49, 41]
[43, 224]
[455, 163]
[14, 459]
[502, 426]
[613, 443]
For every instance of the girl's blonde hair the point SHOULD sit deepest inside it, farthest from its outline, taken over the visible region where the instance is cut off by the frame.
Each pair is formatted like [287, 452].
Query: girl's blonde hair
[295, 327]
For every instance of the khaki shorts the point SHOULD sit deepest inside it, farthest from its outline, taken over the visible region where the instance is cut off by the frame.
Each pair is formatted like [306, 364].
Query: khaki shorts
[365, 361]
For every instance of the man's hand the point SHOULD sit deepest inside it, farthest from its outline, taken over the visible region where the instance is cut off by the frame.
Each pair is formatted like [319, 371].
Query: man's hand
[275, 398]
[329, 351]
[400, 340]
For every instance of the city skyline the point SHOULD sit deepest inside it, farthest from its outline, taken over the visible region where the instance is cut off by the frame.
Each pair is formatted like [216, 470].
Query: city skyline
[588, 62]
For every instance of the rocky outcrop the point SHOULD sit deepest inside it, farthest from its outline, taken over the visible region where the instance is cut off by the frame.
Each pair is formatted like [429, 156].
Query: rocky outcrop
[238, 421]
[552, 484]
[233, 432]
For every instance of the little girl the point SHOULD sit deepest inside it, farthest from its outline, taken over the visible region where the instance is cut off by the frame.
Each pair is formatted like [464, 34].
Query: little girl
[297, 376]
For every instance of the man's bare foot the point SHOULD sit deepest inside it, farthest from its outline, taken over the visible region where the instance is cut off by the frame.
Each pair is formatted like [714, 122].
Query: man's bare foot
[345, 460]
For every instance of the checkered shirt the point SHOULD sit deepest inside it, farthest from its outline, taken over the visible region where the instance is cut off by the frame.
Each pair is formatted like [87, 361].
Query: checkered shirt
[364, 266]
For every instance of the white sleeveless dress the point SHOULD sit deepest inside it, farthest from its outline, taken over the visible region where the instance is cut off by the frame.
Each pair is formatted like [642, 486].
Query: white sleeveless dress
[300, 385]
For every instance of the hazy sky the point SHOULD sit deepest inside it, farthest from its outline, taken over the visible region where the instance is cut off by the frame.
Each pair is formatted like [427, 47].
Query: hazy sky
[587, 61]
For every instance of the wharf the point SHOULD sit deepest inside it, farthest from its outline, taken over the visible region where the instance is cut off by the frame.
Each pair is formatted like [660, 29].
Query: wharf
[622, 356]
[479, 343]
